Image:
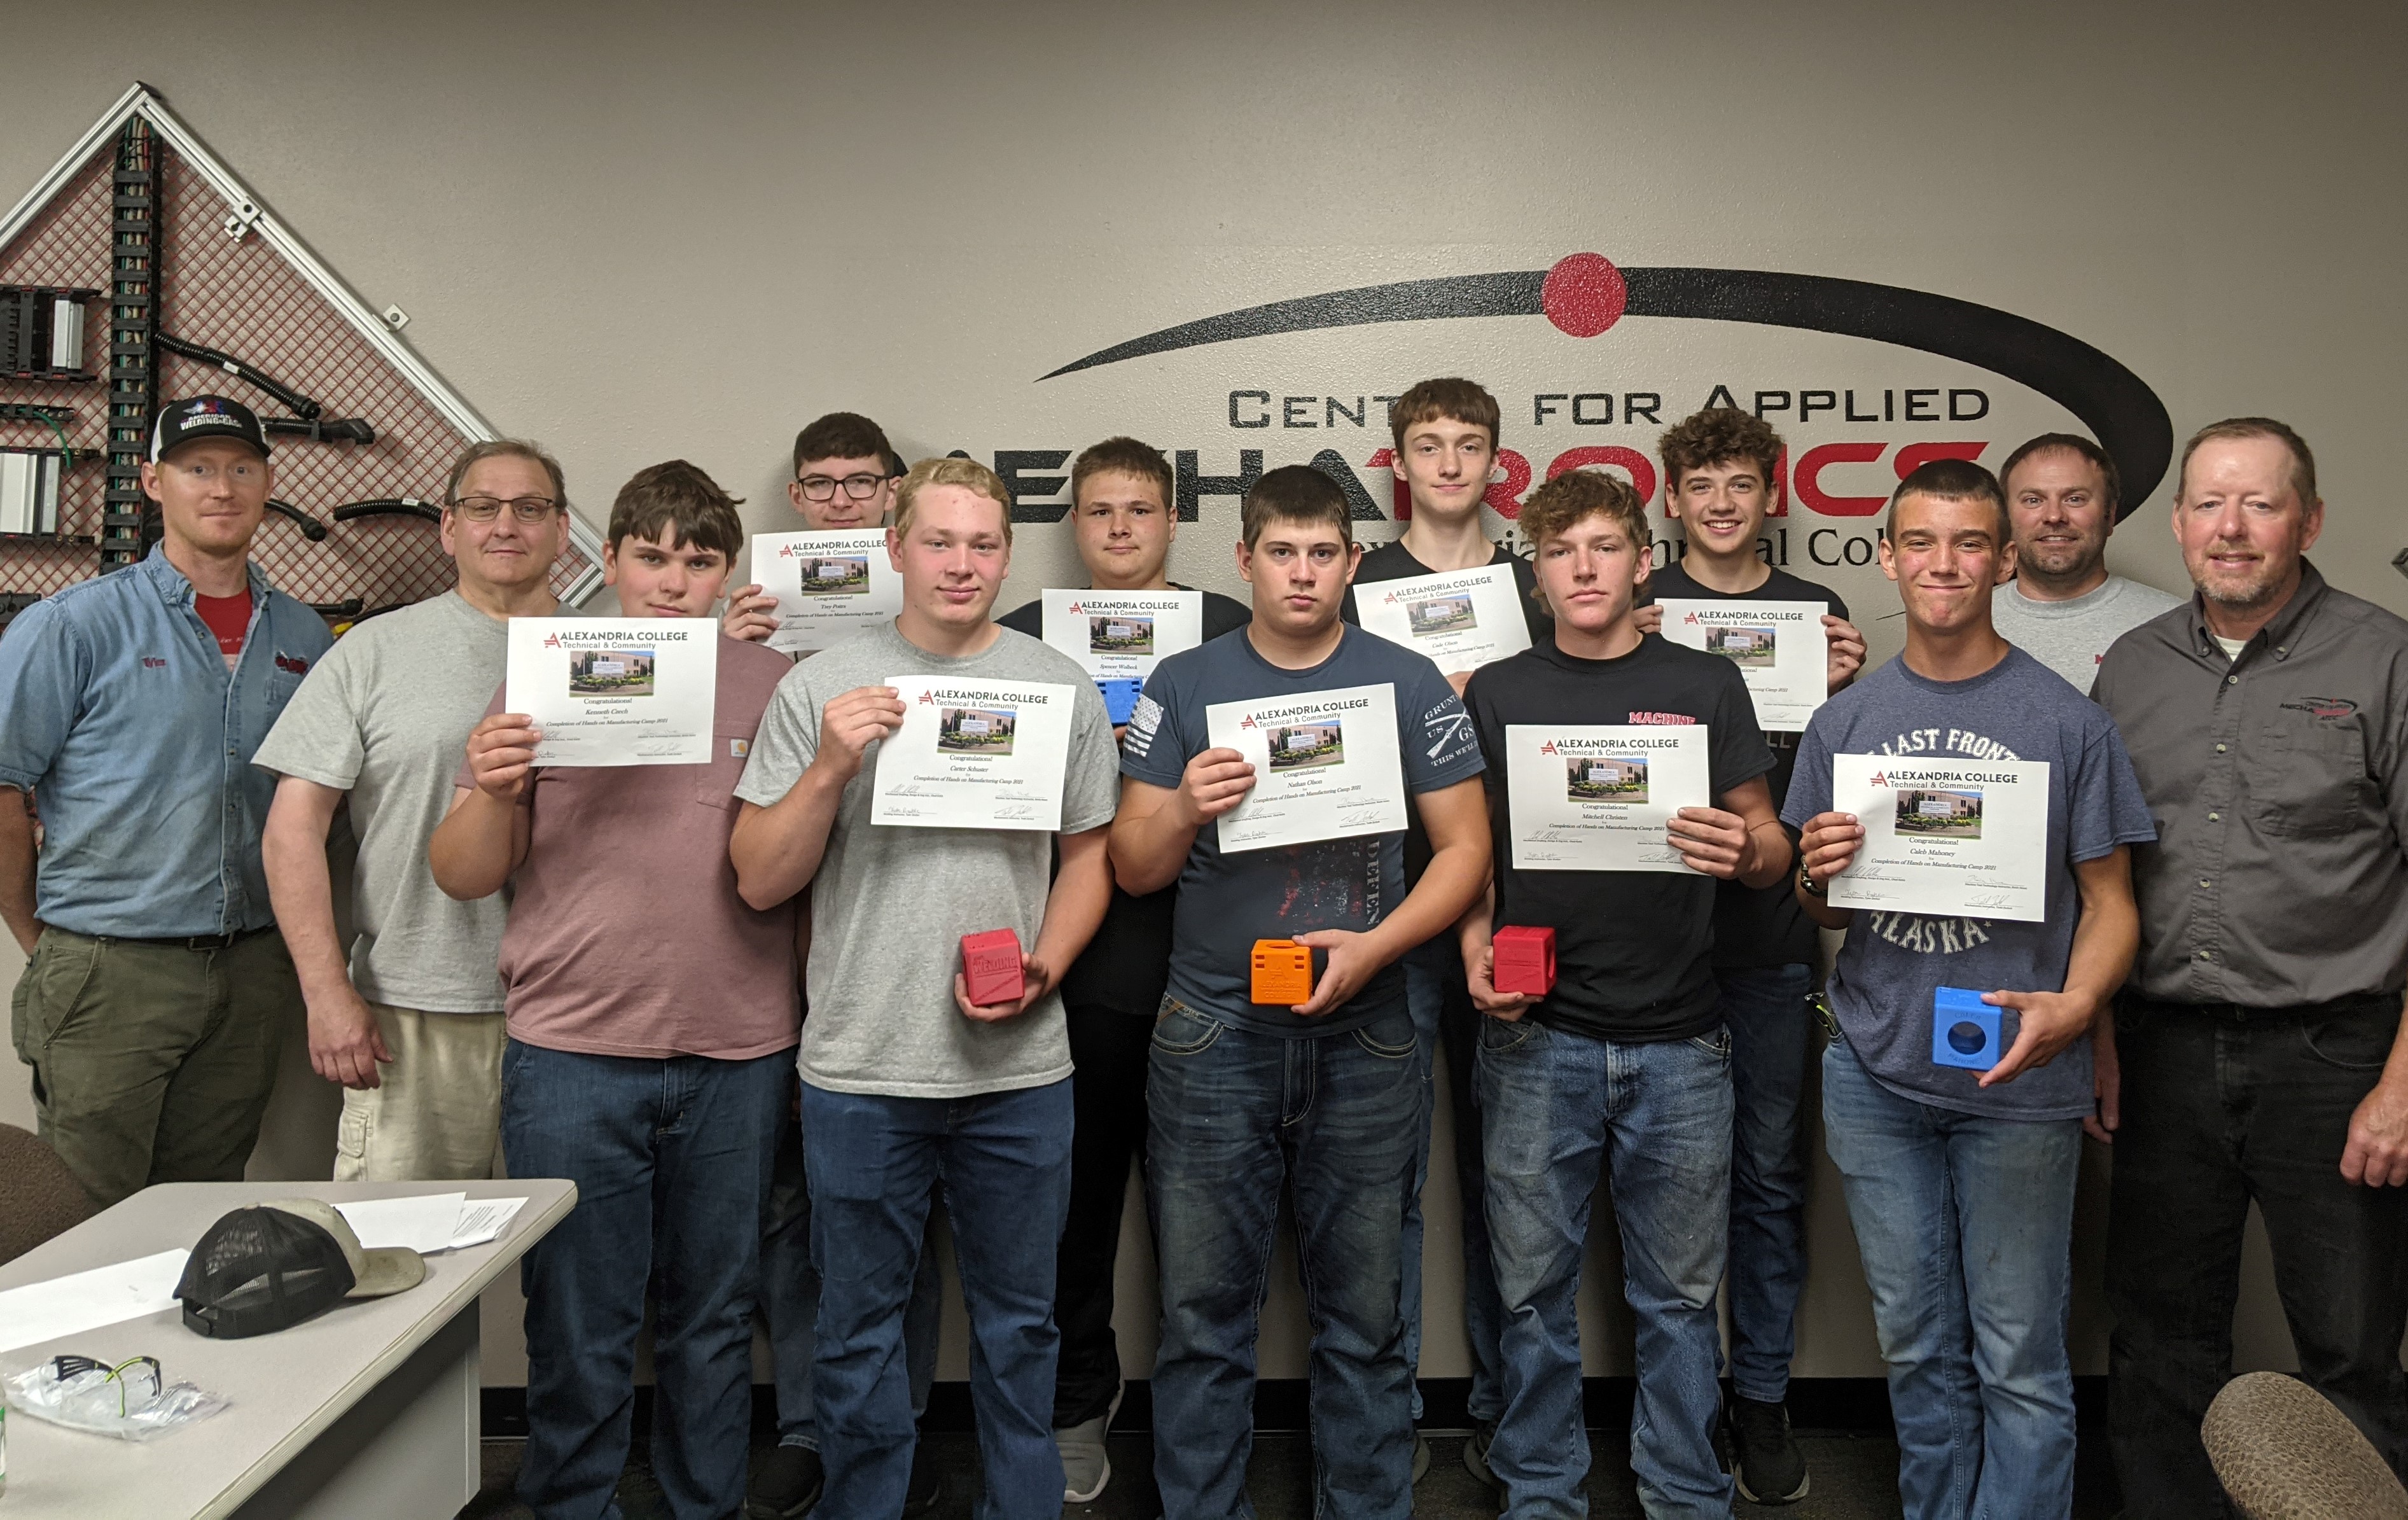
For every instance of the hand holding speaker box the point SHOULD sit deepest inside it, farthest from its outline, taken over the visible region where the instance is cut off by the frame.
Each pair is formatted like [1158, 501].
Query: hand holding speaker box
[1523, 960]
[1964, 1029]
[991, 968]
[1282, 972]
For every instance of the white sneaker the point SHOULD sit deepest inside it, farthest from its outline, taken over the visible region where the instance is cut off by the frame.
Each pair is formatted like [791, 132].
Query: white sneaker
[1086, 1466]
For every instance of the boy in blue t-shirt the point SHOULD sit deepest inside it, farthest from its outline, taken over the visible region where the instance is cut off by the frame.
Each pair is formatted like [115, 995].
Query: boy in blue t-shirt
[1960, 1185]
[1324, 1095]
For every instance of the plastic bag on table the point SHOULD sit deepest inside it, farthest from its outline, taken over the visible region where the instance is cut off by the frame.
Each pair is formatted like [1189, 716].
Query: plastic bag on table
[129, 1400]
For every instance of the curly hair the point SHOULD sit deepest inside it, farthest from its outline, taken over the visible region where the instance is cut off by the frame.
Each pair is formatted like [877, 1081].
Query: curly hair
[1718, 436]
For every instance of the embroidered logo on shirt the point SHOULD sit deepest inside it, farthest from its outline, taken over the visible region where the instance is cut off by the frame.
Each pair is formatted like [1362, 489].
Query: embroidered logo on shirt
[153, 661]
[1666, 719]
[2321, 707]
[293, 663]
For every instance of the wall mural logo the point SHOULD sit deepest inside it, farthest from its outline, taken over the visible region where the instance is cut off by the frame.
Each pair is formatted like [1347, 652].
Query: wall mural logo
[1584, 295]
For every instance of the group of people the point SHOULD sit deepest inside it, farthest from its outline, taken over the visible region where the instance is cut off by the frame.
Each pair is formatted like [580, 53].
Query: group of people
[616, 975]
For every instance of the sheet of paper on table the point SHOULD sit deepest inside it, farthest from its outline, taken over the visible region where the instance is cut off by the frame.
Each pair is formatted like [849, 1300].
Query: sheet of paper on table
[423, 1224]
[81, 1302]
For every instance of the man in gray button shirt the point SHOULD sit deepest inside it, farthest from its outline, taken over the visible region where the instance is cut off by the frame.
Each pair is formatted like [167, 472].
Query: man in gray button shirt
[2260, 1040]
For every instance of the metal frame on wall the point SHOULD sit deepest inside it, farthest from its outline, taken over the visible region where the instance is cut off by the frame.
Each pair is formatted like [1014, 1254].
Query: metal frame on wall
[248, 217]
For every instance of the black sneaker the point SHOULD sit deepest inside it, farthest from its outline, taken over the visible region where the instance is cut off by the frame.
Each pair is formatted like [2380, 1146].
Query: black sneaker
[1766, 1462]
[787, 1485]
[927, 1489]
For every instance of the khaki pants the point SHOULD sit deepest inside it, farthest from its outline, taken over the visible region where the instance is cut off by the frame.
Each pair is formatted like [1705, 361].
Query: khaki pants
[438, 1117]
[152, 1063]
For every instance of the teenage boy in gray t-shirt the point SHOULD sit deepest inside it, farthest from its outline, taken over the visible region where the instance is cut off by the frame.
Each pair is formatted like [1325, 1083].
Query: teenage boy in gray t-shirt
[903, 1075]
[1960, 1185]
[408, 1015]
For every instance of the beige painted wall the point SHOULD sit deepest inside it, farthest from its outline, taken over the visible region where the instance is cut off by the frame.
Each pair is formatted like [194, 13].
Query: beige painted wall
[636, 233]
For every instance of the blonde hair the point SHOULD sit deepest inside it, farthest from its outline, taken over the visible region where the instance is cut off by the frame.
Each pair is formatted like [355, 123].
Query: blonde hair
[967, 473]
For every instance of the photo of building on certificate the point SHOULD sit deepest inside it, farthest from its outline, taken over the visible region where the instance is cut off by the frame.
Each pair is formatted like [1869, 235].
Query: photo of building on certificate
[1446, 614]
[1309, 744]
[610, 672]
[1750, 649]
[835, 575]
[985, 731]
[1934, 814]
[1121, 634]
[1606, 779]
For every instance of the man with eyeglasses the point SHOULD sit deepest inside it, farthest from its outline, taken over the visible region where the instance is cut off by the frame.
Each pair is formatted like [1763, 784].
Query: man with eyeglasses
[408, 1015]
[844, 479]
[157, 991]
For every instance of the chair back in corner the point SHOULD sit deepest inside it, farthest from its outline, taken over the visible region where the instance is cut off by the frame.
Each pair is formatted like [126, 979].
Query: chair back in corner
[38, 1196]
[2283, 1452]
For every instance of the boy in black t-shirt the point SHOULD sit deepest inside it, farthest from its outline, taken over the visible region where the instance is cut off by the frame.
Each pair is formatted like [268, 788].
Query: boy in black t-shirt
[1122, 521]
[1445, 433]
[1624, 1066]
[1720, 472]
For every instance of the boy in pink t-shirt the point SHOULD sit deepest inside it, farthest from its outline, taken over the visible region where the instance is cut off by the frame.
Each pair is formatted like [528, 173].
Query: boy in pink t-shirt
[652, 1018]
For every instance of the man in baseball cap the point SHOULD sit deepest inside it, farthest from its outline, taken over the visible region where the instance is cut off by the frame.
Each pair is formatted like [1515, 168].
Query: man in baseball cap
[156, 991]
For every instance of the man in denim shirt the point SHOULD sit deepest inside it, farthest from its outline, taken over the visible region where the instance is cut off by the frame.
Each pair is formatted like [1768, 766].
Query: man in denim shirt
[157, 992]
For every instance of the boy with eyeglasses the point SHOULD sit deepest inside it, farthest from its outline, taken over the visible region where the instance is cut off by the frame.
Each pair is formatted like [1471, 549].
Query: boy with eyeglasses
[408, 1015]
[845, 473]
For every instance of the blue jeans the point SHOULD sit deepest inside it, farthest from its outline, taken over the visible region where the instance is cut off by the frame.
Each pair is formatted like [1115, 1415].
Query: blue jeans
[1005, 1162]
[1765, 1010]
[1232, 1114]
[1445, 1018]
[790, 1299]
[671, 1160]
[1965, 1225]
[1655, 1118]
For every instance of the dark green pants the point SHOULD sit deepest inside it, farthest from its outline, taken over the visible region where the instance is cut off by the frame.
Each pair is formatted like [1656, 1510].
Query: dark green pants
[153, 1063]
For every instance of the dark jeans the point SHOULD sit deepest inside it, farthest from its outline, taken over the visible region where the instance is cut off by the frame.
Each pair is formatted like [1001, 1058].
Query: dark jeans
[1653, 1122]
[1764, 1008]
[2223, 1106]
[670, 1159]
[1445, 1019]
[790, 1299]
[1232, 1115]
[1108, 1095]
[1005, 1162]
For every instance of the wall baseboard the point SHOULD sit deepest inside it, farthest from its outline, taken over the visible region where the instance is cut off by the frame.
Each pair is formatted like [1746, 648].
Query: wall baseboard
[1855, 1405]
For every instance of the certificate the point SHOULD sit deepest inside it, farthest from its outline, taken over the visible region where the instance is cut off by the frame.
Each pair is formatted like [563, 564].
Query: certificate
[1599, 796]
[1461, 619]
[974, 754]
[1779, 648]
[828, 585]
[1960, 838]
[615, 690]
[1120, 635]
[1325, 767]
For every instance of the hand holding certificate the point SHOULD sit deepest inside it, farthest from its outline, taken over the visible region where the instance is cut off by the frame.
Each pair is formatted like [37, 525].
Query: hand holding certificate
[1461, 619]
[1601, 796]
[1961, 839]
[1325, 767]
[974, 754]
[615, 690]
[1779, 648]
[829, 586]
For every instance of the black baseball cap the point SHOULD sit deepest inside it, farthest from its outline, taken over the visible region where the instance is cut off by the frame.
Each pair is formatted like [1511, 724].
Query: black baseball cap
[271, 1266]
[179, 423]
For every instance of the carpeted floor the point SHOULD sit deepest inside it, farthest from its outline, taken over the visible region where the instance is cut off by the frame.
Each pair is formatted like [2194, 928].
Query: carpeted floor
[1854, 1478]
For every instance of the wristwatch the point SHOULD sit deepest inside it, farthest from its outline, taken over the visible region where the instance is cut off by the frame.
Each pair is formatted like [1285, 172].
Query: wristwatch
[1809, 885]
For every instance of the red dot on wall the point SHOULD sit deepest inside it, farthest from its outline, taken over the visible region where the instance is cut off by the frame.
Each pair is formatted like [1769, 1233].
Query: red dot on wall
[1583, 295]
